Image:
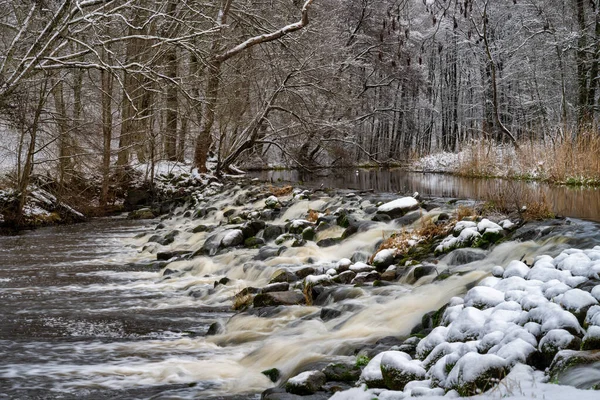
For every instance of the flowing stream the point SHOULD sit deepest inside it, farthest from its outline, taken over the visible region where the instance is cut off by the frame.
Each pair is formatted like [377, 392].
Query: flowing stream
[86, 313]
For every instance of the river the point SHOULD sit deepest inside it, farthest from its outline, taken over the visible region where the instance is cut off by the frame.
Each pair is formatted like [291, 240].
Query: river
[87, 314]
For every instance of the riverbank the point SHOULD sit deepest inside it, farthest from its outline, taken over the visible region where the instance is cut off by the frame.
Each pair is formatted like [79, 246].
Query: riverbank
[572, 162]
[322, 276]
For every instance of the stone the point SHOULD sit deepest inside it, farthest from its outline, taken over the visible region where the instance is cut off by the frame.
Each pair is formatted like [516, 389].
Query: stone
[200, 228]
[216, 328]
[304, 272]
[574, 363]
[464, 256]
[283, 275]
[383, 259]
[309, 233]
[167, 255]
[271, 232]
[253, 242]
[342, 372]
[345, 277]
[273, 374]
[409, 218]
[399, 207]
[267, 252]
[423, 270]
[329, 314]
[232, 238]
[398, 369]
[144, 213]
[288, 298]
[328, 242]
[306, 383]
[276, 287]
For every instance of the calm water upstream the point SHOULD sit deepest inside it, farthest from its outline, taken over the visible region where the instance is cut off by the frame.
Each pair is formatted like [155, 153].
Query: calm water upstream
[84, 314]
[567, 201]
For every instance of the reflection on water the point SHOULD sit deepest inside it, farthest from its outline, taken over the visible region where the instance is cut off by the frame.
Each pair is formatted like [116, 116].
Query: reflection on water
[567, 201]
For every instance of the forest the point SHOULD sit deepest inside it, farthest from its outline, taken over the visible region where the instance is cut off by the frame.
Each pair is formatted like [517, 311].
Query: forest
[90, 88]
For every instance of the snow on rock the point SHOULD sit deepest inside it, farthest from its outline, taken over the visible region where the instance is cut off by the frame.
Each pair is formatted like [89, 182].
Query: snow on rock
[591, 340]
[498, 271]
[317, 279]
[234, 237]
[516, 268]
[398, 369]
[483, 297]
[468, 325]
[436, 336]
[596, 292]
[384, 257]
[476, 370]
[343, 264]
[306, 383]
[593, 315]
[464, 238]
[271, 202]
[541, 273]
[398, 207]
[576, 300]
[554, 288]
[360, 266]
[506, 224]
[462, 225]
[578, 263]
[371, 374]
[516, 351]
[485, 225]
[555, 340]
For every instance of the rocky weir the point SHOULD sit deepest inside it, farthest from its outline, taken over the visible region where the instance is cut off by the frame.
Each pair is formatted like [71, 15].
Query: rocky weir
[349, 294]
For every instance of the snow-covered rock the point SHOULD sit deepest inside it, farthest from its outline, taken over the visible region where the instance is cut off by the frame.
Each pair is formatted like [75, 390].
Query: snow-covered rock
[483, 297]
[398, 369]
[398, 207]
[474, 372]
[306, 383]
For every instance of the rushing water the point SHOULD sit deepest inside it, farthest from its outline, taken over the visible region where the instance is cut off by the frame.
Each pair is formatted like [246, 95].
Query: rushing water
[577, 202]
[86, 315]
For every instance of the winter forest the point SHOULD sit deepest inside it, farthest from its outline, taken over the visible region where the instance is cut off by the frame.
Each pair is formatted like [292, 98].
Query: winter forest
[91, 87]
[300, 199]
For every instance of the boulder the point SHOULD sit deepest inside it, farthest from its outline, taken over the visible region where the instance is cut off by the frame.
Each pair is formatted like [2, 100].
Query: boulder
[167, 255]
[271, 232]
[569, 364]
[399, 207]
[383, 259]
[276, 287]
[342, 372]
[283, 275]
[266, 252]
[232, 238]
[475, 373]
[464, 256]
[397, 369]
[306, 383]
[288, 298]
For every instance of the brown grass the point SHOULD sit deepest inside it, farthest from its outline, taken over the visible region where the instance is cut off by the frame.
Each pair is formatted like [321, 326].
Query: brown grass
[280, 191]
[404, 240]
[313, 216]
[573, 159]
[463, 212]
[517, 198]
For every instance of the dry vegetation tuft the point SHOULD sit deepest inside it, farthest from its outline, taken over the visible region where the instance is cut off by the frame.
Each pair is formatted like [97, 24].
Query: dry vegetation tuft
[517, 198]
[404, 240]
[313, 216]
[572, 160]
[463, 212]
[280, 191]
